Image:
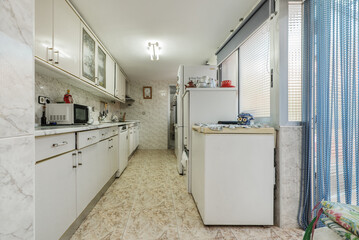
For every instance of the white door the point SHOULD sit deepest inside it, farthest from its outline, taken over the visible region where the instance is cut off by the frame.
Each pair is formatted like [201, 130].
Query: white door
[114, 156]
[123, 149]
[88, 55]
[110, 75]
[123, 87]
[102, 163]
[130, 141]
[186, 109]
[86, 177]
[118, 81]
[176, 141]
[67, 35]
[138, 136]
[55, 196]
[134, 139]
[43, 29]
[100, 64]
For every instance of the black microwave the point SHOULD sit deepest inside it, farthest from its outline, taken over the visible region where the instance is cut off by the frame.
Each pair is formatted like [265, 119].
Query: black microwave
[67, 113]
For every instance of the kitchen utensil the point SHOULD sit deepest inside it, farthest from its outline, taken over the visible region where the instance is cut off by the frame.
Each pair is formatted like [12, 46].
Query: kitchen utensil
[190, 84]
[226, 83]
[202, 85]
[212, 83]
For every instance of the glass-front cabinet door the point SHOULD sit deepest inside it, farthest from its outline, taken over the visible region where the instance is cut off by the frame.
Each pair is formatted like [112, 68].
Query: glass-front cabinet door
[88, 56]
[101, 67]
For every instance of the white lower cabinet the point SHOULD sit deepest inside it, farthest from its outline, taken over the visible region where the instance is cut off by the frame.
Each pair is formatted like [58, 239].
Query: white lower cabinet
[87, 180]
[66, 182]
[55, 196]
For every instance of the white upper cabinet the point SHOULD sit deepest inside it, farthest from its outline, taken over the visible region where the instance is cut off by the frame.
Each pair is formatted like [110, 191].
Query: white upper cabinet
[57, 35]
[120, 91]
[43, 29]
[101, 67]
[66, 38]
[110, 75]
[88, 55]
[63, 40]
[97, 66]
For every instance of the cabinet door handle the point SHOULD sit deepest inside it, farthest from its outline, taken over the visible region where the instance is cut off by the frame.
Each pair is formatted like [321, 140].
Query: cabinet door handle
[50, 54]
[59, 144]
[74, 165]
[91, 138]
[58, 56]
[80, 158]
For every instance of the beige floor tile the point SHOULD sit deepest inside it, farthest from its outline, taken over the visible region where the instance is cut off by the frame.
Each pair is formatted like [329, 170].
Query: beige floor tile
[150, 201]
[151, 224]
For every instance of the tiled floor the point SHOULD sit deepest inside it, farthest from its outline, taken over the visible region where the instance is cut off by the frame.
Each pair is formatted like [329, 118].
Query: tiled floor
[150, 201]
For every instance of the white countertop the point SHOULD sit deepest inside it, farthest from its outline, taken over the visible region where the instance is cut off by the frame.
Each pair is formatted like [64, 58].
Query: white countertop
[59, 129]
[225, 130]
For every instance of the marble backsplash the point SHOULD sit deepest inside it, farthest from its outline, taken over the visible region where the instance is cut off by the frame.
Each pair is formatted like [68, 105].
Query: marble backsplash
[56, 89]
[153, 113]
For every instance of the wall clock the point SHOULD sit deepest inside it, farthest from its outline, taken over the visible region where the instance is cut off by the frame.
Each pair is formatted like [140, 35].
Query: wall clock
[147, 92]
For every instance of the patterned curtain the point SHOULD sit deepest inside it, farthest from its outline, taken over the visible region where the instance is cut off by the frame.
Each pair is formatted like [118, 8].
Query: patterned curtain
[330, 164]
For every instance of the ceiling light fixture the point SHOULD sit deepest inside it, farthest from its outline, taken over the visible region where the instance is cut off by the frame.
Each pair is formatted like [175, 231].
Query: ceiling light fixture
[154, 50]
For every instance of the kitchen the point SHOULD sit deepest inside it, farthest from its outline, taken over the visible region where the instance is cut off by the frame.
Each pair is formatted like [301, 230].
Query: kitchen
[84, 121]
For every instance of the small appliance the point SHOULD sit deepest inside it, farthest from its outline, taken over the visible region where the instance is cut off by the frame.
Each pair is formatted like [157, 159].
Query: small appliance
[67, 113]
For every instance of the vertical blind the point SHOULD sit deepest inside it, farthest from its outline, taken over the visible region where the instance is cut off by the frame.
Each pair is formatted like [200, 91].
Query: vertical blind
[295, 61]
[254, 79]
[230, 68]
[330, 104]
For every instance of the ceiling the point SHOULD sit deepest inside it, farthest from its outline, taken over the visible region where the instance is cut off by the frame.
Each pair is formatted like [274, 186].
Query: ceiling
[189, 31]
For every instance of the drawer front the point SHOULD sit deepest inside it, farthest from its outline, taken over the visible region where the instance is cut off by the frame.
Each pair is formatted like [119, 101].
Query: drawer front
[49, 146]
[104, 133]
[87, 138]
[108, 132]
[113, 131]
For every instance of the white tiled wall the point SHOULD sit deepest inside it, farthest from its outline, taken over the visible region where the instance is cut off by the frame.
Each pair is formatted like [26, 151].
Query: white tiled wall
[56, 89]
[17, 148]
[153, 113]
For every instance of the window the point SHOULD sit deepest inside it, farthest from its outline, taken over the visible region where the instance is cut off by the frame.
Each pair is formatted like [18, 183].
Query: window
[254, 73]
[295, 61]
[230, 68]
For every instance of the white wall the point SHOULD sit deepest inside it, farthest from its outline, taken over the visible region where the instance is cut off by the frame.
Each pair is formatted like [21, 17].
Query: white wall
[153, 113]
[17, 148]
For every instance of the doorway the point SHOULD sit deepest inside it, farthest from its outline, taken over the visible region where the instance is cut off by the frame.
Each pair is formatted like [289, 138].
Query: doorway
[172, 114]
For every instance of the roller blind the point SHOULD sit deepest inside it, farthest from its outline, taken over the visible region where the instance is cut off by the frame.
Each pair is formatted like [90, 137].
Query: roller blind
[254, 73]
[256, 18]
[295, 61]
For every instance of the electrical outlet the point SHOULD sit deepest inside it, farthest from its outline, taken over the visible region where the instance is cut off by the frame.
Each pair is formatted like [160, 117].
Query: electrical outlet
[43, 100]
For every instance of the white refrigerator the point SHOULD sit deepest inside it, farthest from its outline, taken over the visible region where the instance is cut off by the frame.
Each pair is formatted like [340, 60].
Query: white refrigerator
[206, 105]
[184, 74]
